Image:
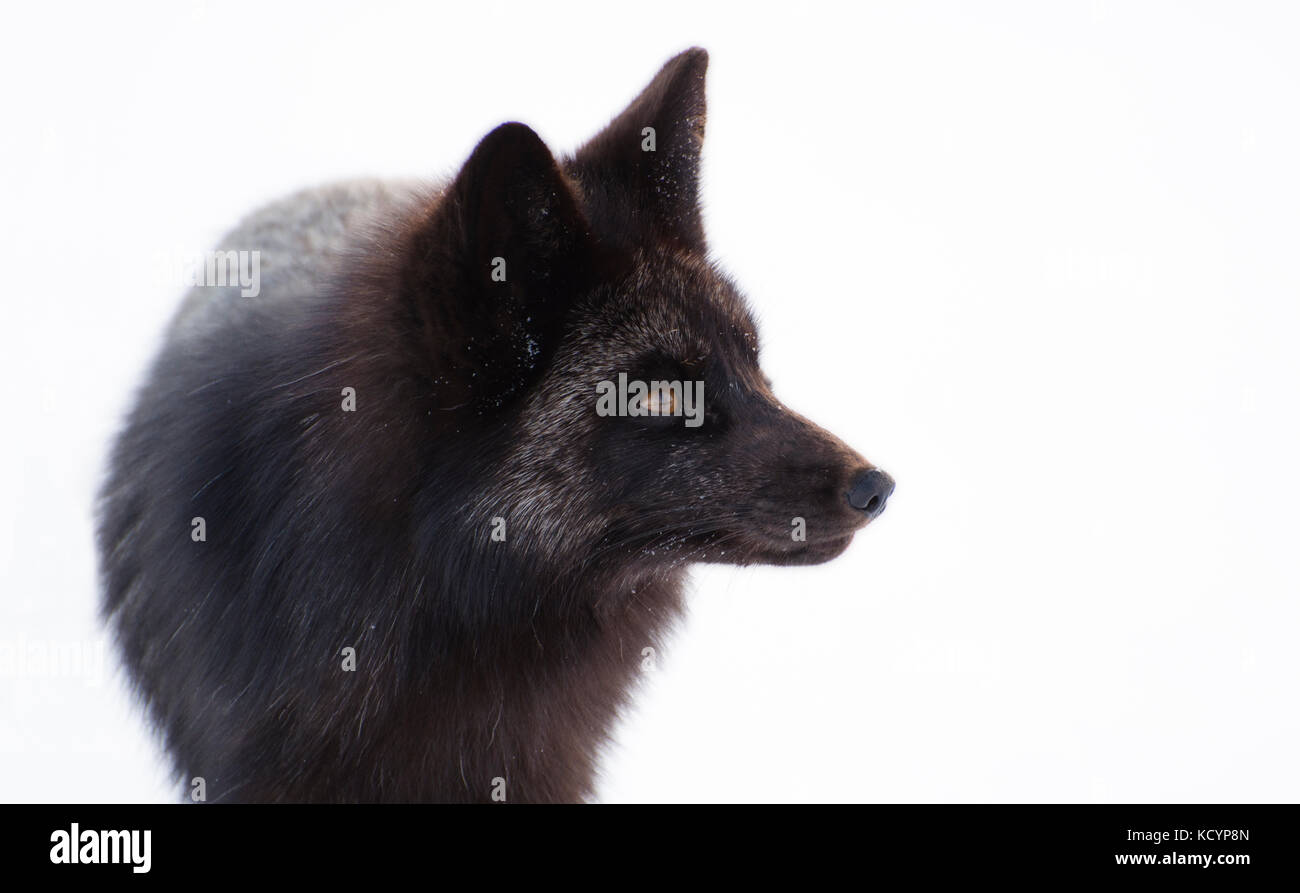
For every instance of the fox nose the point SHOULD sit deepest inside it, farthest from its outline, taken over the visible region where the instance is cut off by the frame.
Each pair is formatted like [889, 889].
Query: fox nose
[869, 491]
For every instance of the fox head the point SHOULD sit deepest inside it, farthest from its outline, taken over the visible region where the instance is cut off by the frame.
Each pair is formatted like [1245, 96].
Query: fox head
[553, 294]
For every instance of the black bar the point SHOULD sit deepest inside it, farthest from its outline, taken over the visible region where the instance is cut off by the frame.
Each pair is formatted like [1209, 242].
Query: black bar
[333, 843]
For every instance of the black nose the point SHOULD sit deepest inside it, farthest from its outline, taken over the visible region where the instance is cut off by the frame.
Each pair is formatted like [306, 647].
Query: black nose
[869, 492]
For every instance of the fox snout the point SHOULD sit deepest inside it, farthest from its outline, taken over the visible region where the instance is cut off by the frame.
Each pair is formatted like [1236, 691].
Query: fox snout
[870, 491]
[809, 448]
[806, 492]
[832, 480]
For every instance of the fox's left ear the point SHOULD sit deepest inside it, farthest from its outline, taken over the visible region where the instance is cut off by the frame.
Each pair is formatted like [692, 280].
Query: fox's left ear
[640, 175]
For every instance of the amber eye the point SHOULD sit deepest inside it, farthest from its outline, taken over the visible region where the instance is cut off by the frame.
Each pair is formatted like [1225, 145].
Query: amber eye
[661, 401]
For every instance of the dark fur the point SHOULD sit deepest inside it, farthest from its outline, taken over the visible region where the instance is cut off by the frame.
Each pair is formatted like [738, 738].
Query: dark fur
[371, 529]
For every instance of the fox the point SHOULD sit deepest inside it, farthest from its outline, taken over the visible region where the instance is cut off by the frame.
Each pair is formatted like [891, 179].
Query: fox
[398, 527]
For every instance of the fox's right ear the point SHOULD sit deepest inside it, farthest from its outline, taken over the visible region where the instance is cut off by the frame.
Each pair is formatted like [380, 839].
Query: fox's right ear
[492, 269]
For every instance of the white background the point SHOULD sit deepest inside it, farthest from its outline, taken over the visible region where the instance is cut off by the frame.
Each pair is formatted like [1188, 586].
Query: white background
[1039, 261]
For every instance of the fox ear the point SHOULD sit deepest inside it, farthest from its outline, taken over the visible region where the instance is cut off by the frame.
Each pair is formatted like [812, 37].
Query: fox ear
[511, 203]
[493, 267]
[640, 175]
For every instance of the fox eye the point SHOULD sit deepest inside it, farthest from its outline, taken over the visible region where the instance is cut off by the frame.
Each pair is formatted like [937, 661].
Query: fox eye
[660, 401]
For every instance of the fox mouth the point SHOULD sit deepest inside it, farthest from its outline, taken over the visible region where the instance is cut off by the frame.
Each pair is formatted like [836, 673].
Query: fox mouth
[814, 551]
[734, 539]
[758, 549]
